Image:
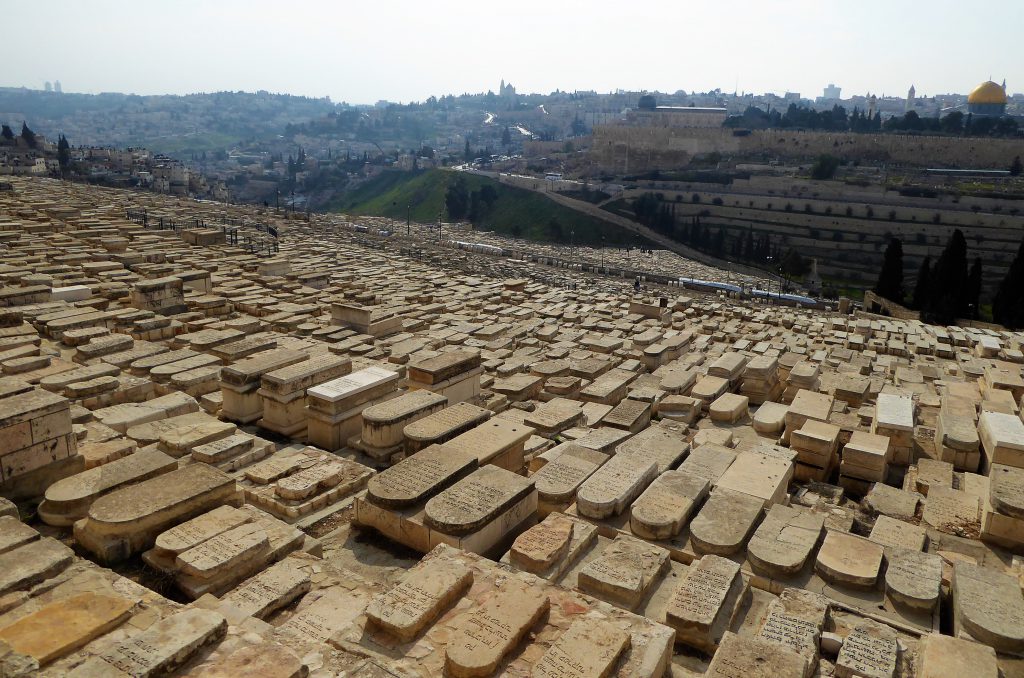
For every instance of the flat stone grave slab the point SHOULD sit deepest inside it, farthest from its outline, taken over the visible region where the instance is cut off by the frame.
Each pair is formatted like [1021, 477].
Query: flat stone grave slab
[869, 651]
[751, 657]
[69, 499]
[613, 487]
[270, 590]
[988, 607]
[845, 558]
[725, 522]
[59, 628]
[664, 508]
[559, 479]
[796, 620]
[702, 607]
[128, 520]
[785, 540]
[424, 592]
[625, 571]
[162, 647]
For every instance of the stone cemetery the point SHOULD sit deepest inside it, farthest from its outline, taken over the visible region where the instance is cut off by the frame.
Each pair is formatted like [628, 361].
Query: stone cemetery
[355, 453]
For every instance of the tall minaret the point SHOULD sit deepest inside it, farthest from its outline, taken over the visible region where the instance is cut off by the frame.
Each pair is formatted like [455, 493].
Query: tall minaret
[910, 99]
[501, 90]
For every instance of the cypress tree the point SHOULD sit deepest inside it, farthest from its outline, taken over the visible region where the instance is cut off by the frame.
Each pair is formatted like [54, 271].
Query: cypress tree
[922, 286]
[890, 278]
[973, 296]
[1008, 304]
[948, 299]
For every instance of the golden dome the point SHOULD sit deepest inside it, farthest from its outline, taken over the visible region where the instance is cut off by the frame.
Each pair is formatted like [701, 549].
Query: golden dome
[987, 93]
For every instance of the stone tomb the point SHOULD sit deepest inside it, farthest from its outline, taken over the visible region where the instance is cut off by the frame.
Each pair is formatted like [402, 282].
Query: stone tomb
[869, 651]
[442, 426]
[784, 541]
[988, 607]
[284, 391]
[382, 434]
[662, 510]
[69, 499]
[497, 442]
[552, 546]
[295, 484]
[424, 592]
[240, 381]
[569, 465]
[335, 407]
[702, 607]
[216, 551]
[795, 620]
[128, 520]
[37, 445]
[453, 374]
[613, 487]
[624, 572]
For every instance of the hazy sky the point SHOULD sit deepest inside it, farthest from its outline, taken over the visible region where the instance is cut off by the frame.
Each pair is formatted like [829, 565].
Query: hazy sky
[405, 50]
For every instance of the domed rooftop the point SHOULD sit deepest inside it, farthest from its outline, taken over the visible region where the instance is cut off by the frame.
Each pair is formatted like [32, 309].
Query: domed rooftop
[987, 93]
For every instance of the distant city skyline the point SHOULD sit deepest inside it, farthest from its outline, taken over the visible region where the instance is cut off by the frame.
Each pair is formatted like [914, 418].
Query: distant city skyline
[407, 51]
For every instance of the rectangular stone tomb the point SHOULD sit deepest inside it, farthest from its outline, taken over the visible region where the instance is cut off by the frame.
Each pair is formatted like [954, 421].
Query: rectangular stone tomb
[702, 607]
[69, 499]
[383, 425]
[293, 485]
[442, 426]
[128, 520]
[220, 559]
[334, 408]
[625, 571]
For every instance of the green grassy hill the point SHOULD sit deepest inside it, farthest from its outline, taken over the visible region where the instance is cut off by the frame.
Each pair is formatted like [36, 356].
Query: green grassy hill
[517, 212]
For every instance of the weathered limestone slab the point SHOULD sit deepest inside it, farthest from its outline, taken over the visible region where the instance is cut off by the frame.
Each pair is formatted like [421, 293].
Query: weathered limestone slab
[193, 532]
[795, 620]
[725, 522]
[129, 519]
[770, 418]
[122, 417]
[270, 590]
[750, 657]
[613, 487]
[424, 592]
[498, 442]
[223, 552]
[785, 539]
[709, 461]
[303, 375]
[57, 629]
[589, 648]
[383, 424]
[32, 563]
[988, 607]
[658, 443]
[420, 477]
[951, 511]
[899, 534]
[1002, 438]
[443, 426]
[559, 479]
[178, 435]
[625, 571]
[69, 499]
[265, 660]
[942, 656]
[869, 651]
[845, 558]
[758, 475]
[665, 506]
[483, 636]
[544, 544]
[890, 501]
[14, 533]
[702, 606]
[913, 578]
[162, 647]
[476, 500]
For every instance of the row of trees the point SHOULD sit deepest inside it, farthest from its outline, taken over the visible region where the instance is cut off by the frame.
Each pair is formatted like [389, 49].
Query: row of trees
[836, 119]
[27, 135]
[463, 203]
[945, 290]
